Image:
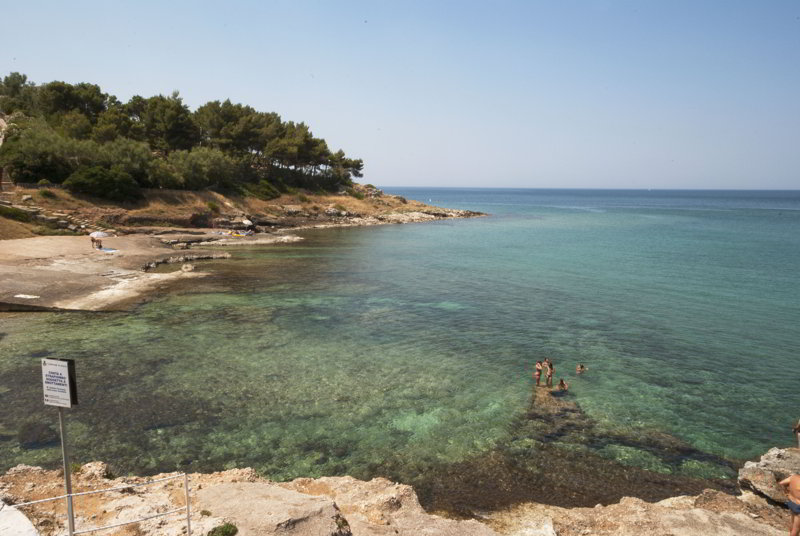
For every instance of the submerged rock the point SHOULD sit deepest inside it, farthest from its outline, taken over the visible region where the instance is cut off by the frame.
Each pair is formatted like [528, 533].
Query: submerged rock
[34, 435]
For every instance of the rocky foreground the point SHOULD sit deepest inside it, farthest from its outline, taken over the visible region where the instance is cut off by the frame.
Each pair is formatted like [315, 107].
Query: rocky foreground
[344, 506]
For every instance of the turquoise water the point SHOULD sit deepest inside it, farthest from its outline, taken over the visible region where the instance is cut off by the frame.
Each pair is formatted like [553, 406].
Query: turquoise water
[396, 349]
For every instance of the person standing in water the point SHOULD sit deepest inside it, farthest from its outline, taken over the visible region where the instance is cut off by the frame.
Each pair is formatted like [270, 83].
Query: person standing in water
[792, 486]
[537, 373]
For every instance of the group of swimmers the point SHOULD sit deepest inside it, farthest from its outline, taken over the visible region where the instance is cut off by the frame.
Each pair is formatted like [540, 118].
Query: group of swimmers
[549, 370]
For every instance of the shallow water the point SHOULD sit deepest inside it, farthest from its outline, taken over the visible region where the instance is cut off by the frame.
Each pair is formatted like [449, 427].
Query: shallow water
[401, 349]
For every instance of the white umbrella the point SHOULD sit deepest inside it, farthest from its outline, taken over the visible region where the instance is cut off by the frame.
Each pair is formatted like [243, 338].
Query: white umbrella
[247, 222]
[99, 234]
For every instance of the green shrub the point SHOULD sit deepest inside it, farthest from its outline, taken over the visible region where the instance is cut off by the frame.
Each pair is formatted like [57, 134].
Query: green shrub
[402, 199]
[224, 530]
[14, 214]
[213, 207]
[303, 198]
[36, 151]
[262, 190]
[204, 167]
[162, 175]
[44, 182]
[48, 194]
[113, 184]
[355, 193]
[205, 513]
[132, 157]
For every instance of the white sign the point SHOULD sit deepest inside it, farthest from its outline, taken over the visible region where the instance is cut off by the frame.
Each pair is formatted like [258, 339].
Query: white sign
[56, 383]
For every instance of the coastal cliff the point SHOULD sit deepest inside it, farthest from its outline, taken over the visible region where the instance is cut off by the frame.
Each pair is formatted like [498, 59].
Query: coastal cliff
[344, 506]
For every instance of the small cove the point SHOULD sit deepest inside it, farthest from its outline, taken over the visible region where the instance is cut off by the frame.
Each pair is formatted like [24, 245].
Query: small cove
[406, 351]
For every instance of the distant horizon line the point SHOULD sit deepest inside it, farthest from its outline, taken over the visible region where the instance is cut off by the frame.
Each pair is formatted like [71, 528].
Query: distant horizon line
[599, 189]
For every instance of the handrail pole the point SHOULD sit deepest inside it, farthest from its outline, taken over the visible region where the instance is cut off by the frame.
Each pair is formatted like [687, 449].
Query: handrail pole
[188, 508]
[67, 475]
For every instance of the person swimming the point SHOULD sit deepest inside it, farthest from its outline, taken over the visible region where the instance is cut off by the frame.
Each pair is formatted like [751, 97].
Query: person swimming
[562, 385]
[580, 369]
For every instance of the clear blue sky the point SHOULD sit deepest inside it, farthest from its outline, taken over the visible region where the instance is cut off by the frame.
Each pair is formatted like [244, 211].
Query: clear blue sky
[605, 94]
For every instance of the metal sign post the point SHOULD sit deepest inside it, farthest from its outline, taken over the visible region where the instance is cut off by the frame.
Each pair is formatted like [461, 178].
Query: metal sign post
[61, 390]
[67, 475]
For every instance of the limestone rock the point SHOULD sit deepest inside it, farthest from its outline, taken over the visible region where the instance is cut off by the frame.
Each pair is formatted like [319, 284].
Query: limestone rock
[381, 507]
[292, 210]
[537, 527]
[14, 523]
[264, 509]
[762, 477]
[633, 517]
[94, 470]
[762, 482]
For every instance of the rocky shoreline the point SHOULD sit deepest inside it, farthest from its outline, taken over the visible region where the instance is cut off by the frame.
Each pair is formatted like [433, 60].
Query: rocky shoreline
[51, 273]
[345, 506]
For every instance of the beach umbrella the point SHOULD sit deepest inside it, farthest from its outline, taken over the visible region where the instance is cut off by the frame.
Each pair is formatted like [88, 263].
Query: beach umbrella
[247, 222]
[99, 234]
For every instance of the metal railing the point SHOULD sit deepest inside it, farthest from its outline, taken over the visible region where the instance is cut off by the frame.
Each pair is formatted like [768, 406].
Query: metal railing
[69, 497]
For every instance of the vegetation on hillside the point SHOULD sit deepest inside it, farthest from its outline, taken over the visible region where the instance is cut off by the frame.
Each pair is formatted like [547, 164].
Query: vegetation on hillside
[79, 136]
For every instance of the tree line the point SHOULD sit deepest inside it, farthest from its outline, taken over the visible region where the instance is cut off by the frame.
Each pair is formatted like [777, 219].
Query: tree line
[90, 141]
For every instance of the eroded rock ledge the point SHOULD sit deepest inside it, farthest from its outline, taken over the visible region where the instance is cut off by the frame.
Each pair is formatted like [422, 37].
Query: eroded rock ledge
[345, 506]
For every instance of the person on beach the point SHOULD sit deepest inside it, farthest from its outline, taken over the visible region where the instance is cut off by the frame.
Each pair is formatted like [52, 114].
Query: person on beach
[551, 369]
[537, 373]
[792, 485]
[562, 385]
[580, 369]
[94, 242]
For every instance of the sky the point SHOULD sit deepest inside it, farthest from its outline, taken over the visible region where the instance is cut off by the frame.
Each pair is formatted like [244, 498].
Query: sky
[537, 94]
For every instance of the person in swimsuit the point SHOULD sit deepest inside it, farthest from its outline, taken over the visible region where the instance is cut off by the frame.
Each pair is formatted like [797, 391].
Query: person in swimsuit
[550, 371]
[538, 372]
[580, 369]
[792, 485]
[562, 385]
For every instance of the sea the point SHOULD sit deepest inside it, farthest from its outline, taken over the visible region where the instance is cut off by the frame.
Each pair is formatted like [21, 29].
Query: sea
[407, 351]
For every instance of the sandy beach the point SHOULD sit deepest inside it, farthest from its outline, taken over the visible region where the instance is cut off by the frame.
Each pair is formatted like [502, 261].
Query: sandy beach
[65, 272]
